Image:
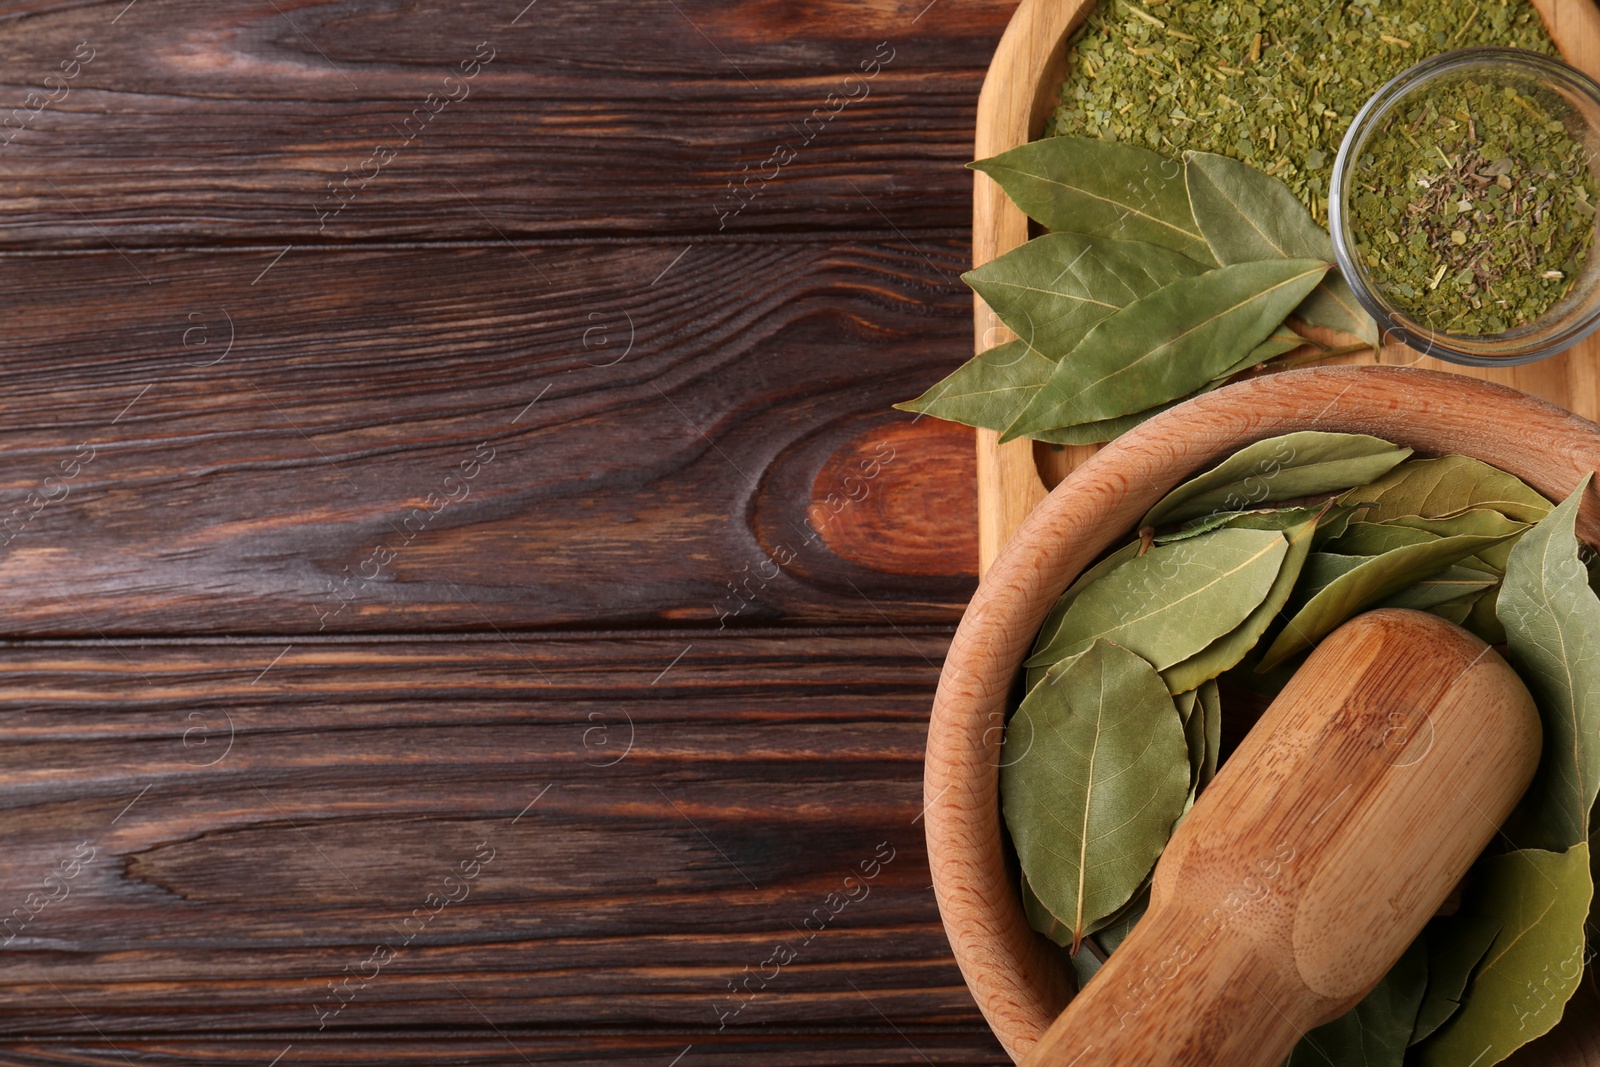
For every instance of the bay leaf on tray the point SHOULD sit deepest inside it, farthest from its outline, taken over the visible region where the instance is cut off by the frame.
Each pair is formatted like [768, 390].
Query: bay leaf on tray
[1372, 580]
[1277, 343]
[1279, 468]
[1053, 289]
[1174, 600]
[1102, 188]
[1376, 1031]
[1518, 992]
[1091, 802]
[1552, 623]
[1446, 486]
[1168, 344]
[988, 390]
[1456, 945]
[1231, 648]
[1246, 214]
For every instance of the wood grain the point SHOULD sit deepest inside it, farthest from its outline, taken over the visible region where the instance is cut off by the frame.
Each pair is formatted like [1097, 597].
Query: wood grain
[517, 1047]
[263, 493]
[202, 123]
[261, 816]
[1017, 98]
[1017, 976]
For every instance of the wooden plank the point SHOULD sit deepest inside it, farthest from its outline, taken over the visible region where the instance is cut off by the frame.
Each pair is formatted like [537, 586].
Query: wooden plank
[194, 121]
[219, 836]
[696, 433]
[911, 1048]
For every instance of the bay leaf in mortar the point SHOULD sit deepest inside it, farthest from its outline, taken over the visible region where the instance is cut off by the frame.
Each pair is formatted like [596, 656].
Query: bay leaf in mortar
[1473, 521]
[1091, 802]
[1456, 945]
[1053, 289]
[1534, 965]
[1102, 188]
[1372, 580]
[1376, 1031]
[1453, 583]
[1168, 344]
[1279, 468]
[1552, 622]
[1210, 705]
[1232, 647]
[1247, 214]
[989, 390]
[1446, 486]
[1174, 600]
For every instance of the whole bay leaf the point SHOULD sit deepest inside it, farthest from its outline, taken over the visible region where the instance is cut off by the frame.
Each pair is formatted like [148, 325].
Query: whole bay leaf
[1522, 986]
[1247, 214]
[1052, 289]
[1092, 574]
[1231, 648]
[1174, 600]
[1093, 433]
[1279, 468]
[1102, 188]
[1168, 344]
[1456, 945]
[989, 390]
[1372, 580]
[1092, 801]
[1376, 1031]
[1446, 486]
[1552, 622]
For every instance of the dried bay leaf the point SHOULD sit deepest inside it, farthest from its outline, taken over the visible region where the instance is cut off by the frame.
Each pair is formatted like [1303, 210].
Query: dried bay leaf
[1168, 344]
[1102, 188]
[1552, 622]
[1443, 487]
[1085, 964]
[1091, 802]
[1053, 289]
[1376, 1031]
[1453, 583]
[1231, 648]
[1372, 580]
[989, 390]
[1520, 989]
[1473, 521]
[1456, 945]
[1210, 705]
[1280, 468]
[1247, 215]
[1174, 600]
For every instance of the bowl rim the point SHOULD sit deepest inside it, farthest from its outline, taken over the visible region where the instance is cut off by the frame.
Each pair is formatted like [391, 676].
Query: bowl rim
[1017, 976]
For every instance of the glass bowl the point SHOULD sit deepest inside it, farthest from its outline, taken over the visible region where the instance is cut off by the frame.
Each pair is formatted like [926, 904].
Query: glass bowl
[1571, 318]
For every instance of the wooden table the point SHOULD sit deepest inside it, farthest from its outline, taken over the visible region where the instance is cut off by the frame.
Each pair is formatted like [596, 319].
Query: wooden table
[468, 599]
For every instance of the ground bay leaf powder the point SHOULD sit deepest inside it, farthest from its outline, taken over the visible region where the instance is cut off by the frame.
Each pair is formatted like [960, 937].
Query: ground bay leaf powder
[1274, 83]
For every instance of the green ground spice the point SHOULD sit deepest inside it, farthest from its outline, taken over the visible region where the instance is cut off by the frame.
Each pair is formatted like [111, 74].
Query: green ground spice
[1477, 207]
[1273, 83]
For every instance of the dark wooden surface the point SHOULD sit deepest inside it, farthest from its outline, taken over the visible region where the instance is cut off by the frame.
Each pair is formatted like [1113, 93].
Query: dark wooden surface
[334, 539]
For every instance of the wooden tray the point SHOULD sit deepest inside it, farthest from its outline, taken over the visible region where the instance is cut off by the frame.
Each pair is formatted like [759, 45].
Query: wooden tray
[1018, 96]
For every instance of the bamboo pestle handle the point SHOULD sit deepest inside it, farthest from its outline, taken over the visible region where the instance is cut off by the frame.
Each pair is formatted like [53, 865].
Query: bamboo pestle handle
[1323, 846]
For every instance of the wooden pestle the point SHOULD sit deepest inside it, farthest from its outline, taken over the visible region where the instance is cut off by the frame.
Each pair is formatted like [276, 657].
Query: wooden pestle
[1325, 843]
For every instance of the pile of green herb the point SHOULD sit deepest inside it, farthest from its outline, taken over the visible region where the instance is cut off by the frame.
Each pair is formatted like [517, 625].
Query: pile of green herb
[1160, 279]
[1232, 579]
[1477, 207]
[1273, 83]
